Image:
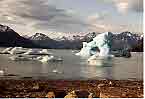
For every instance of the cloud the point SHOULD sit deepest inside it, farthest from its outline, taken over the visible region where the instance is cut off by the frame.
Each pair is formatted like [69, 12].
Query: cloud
[115, 23]
[30, 16]
[40, 15]
[137, 6]
[124, 6]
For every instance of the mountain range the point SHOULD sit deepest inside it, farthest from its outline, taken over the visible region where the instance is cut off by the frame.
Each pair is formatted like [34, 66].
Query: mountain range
[39, 40]
[8, 37]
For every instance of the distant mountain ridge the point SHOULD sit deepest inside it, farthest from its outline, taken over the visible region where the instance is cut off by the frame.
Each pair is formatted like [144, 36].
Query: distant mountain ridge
[8, 37]
[127, 39]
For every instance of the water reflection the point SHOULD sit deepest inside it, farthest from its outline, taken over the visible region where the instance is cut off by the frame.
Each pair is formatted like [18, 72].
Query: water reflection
[73, 67]
[51, 68]
[98, 68]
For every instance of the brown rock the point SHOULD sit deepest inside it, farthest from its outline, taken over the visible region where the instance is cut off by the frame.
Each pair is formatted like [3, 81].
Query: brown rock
[50, 94]
[71, 95]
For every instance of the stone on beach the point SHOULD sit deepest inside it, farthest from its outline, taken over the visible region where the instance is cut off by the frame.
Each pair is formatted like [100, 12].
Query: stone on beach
[71, 95]
[50, 94]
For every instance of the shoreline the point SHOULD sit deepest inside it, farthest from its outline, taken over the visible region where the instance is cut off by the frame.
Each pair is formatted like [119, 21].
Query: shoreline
[10, 88]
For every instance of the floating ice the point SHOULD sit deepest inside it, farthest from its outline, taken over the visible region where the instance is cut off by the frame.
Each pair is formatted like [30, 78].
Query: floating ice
[104, 43]
[45, 59]
[2, 72]
[17, 50]
[31, 52]
[6, 51]
[101, 41]
[56, 71]
[37, 52]
[85, 51]
[45, 51]
[20, 58]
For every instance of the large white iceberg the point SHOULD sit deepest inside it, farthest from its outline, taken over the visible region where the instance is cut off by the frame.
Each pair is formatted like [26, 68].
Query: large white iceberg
[101, 41]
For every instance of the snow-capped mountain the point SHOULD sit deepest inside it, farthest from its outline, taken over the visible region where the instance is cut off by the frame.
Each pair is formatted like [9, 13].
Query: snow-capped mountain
[8, 37]
[43, 40]
[39, 36]
[73, 41]
[120, 40]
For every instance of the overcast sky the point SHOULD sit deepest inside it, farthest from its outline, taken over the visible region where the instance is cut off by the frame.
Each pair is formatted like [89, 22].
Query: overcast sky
[31, 16]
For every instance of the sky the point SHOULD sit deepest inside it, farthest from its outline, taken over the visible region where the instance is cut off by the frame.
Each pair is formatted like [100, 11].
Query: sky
[72, 16]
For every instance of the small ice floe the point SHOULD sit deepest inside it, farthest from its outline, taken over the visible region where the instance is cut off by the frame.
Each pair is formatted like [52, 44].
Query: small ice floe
[31, 52]
[45, 52]
[56, 71]
[39, 58]
[2, 72]
[37, 52]
[20, 58]
[73, 51]
[17, 50]
[6, 51]
[45, 59]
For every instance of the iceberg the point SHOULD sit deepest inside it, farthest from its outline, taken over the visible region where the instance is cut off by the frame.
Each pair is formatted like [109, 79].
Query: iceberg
[101, 41]
[85, 51]
[104, 44]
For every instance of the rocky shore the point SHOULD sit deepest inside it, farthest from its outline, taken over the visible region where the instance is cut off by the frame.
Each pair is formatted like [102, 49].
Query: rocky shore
[67, 88]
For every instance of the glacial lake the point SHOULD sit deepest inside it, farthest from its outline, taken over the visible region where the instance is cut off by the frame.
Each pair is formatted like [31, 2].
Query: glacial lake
[74, 67]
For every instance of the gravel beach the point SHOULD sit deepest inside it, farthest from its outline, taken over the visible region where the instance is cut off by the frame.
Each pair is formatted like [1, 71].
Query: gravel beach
[61, 88]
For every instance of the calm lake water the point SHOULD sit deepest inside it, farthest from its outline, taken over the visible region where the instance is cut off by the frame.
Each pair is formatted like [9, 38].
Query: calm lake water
[74, 67]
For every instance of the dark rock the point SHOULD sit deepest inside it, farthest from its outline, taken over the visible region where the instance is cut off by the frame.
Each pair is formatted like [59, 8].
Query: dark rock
[8, 37]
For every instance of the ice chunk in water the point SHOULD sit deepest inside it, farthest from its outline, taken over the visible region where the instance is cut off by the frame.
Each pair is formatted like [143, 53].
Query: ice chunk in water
[37, 52]
[20, 58]
[45, 59]
[31, 52]
[6, 51]
[44, 51]
[17, 50]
